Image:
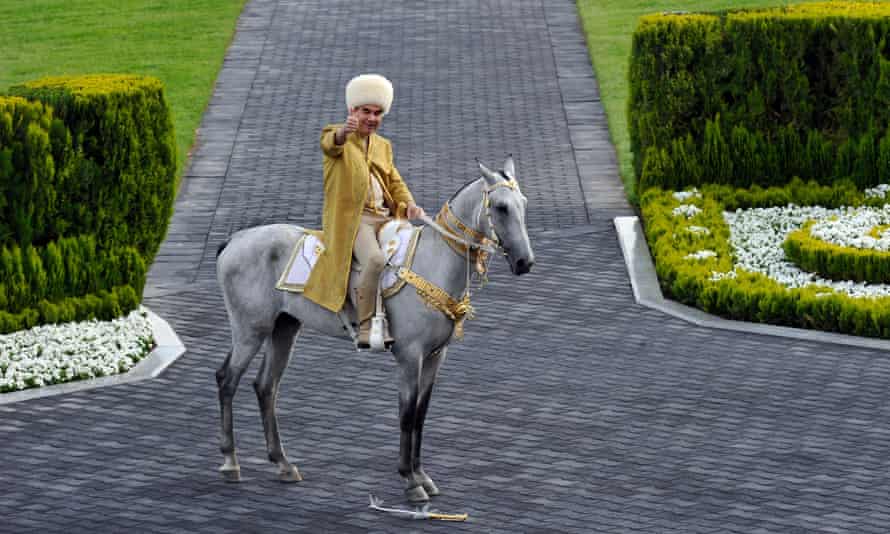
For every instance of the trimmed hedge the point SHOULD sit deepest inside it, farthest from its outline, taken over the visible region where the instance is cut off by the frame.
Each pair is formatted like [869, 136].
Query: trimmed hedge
[103, 305]
[69, 267]
[120, 171]
[87, 177]
[761, 96]
[31, 141]
[744, 295]
[836, 262]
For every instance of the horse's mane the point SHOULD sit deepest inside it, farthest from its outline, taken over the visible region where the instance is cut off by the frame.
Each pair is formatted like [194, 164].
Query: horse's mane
[474, 180]
[466, 185]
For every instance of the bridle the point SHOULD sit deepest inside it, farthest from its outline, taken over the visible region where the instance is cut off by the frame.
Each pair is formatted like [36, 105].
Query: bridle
[467, 242]
[475, 246]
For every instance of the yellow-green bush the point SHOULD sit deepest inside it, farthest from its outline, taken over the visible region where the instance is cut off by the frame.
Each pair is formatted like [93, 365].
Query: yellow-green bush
[834, 261]
[759, 97]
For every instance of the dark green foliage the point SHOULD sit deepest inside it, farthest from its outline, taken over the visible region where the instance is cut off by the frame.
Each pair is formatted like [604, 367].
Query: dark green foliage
[715, 153]
[70, 267]
[66, 281]
[763, 95]
[29, 177]
[104, 306]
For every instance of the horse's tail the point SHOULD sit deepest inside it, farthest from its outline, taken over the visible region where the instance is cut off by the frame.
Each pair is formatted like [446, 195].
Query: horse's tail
[222, 246]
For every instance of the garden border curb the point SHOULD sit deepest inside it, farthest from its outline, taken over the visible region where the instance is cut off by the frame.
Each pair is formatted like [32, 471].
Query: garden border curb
[168, 349]
[647, 292]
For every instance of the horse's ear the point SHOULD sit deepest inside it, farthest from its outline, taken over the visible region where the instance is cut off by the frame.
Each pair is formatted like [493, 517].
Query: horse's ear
[490, 176]
[510, 168]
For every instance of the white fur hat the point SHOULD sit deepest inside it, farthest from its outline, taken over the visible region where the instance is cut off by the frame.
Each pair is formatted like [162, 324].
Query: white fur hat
[369, 89]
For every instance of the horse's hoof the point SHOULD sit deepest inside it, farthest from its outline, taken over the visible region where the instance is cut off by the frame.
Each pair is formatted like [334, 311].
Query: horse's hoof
[416, 494]
[428, 485]
[291, 474]
[231, 475]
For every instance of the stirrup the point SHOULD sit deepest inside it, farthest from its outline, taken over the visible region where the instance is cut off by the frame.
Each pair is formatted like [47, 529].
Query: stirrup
[380, 339]
[380, 331]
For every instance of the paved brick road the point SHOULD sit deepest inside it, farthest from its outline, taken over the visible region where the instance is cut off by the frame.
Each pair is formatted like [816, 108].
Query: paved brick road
[567, 409]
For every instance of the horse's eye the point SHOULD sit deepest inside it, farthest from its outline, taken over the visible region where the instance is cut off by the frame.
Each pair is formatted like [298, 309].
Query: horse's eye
[501, 209]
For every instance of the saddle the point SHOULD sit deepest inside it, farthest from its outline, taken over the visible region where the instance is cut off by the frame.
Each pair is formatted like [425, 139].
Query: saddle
[398, 242]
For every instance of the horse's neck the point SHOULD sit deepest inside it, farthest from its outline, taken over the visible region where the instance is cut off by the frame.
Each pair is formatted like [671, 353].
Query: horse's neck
[467, 205]
[437, 261]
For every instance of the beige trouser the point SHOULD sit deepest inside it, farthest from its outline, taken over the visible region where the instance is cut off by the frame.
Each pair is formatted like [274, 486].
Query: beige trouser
[368, 254]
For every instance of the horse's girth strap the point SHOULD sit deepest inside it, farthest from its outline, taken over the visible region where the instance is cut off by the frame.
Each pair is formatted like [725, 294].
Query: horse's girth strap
[436, 297]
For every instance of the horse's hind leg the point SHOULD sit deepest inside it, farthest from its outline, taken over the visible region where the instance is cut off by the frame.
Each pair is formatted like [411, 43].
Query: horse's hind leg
[266, 387]
[428, 376]
[227, 378]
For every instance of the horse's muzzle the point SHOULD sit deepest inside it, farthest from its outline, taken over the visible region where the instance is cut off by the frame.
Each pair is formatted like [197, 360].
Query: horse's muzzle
[522, 266]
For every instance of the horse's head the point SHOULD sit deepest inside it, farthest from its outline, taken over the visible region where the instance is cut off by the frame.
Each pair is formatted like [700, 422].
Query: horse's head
[505, 205]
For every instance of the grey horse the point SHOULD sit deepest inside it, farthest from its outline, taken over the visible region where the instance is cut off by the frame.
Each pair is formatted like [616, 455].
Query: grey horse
[250, 263]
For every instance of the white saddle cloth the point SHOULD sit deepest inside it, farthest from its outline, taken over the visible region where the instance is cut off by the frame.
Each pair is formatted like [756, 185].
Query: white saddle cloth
[398, 241]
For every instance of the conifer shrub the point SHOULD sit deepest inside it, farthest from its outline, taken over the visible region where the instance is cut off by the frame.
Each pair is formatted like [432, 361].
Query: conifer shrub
[87, 177]
[757, 97]
[31, 143]
[120, 170]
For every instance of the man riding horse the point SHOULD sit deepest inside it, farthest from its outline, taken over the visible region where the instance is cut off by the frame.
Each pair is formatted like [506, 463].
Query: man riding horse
[362, 191]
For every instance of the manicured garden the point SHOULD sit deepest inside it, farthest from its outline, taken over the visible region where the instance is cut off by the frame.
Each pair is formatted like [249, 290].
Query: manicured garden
[758, 151]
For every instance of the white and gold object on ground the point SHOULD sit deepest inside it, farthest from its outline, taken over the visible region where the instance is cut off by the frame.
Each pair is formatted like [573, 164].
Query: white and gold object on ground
[418, 513]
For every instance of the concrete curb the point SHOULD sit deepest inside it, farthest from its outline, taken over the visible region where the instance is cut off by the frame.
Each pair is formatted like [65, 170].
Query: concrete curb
[647, 293]
[168, 349]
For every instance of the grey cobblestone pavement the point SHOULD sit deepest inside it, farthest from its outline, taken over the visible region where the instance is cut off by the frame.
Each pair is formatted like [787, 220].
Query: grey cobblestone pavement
[568, 408]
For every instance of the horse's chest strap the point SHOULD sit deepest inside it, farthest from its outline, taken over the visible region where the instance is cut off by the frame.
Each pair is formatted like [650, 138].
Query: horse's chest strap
[436, 297]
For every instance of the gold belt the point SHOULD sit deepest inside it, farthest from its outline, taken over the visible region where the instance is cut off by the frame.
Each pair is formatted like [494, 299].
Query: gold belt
[437, 298]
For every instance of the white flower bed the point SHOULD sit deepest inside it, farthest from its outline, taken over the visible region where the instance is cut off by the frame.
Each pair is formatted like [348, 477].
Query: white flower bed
[53, 354]
[852, 229]
[756, 236]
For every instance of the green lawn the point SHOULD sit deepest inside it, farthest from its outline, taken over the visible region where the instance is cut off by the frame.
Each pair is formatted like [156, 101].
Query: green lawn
[609, 26]
[181, 42]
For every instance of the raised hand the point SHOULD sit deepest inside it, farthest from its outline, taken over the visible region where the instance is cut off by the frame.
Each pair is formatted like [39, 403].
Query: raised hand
[351, 123]
[348, 127]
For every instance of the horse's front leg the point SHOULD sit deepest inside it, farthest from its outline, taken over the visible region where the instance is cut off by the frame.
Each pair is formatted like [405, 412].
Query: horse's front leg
[428, 375]
[409, 366]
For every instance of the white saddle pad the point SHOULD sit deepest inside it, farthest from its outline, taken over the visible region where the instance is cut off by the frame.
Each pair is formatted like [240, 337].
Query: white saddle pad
[398, 241]
[302, 260]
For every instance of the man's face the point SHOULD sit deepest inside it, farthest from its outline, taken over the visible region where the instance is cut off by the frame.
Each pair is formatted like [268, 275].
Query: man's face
[369, 118]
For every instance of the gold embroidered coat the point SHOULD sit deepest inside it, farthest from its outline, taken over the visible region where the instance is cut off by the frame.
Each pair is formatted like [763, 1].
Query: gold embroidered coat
[346, 179]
